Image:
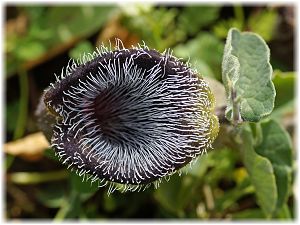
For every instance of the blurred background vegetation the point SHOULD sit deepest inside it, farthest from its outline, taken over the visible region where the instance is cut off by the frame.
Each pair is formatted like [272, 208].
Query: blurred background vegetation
[39, 40]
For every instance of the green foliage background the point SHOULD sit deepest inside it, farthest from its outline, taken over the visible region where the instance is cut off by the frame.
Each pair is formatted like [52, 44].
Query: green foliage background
[248, 174]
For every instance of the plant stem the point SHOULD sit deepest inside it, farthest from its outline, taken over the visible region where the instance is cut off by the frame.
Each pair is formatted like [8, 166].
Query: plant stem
[236, 116]
[68, 208]
[23, 111]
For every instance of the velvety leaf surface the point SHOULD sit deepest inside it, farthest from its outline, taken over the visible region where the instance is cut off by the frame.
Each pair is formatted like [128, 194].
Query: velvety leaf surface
[246, 74]
[261, 174]
[276, 146]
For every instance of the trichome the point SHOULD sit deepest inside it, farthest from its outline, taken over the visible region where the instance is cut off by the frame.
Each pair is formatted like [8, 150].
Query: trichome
[129, 116]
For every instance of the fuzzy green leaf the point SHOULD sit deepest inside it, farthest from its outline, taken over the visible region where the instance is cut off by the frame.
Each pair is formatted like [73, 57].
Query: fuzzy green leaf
[261, 174]
[246, 74]
[276, 146]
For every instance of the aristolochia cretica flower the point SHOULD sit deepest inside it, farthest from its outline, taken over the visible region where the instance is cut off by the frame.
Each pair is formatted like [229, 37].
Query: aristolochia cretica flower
[130, 116]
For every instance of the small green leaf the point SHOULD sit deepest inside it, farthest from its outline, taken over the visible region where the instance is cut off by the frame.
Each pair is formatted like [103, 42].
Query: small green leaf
[285, 87]
[276, 146]
[246, 74]
[261, 173]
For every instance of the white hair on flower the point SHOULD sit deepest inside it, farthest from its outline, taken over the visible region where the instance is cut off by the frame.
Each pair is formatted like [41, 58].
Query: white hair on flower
[130, 116]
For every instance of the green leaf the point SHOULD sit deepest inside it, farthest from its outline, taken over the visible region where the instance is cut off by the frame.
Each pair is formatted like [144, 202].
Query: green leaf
[252, 214]
[261, 173]
[285, 87]
[246, 74]
[276, 146]
[284, 213]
